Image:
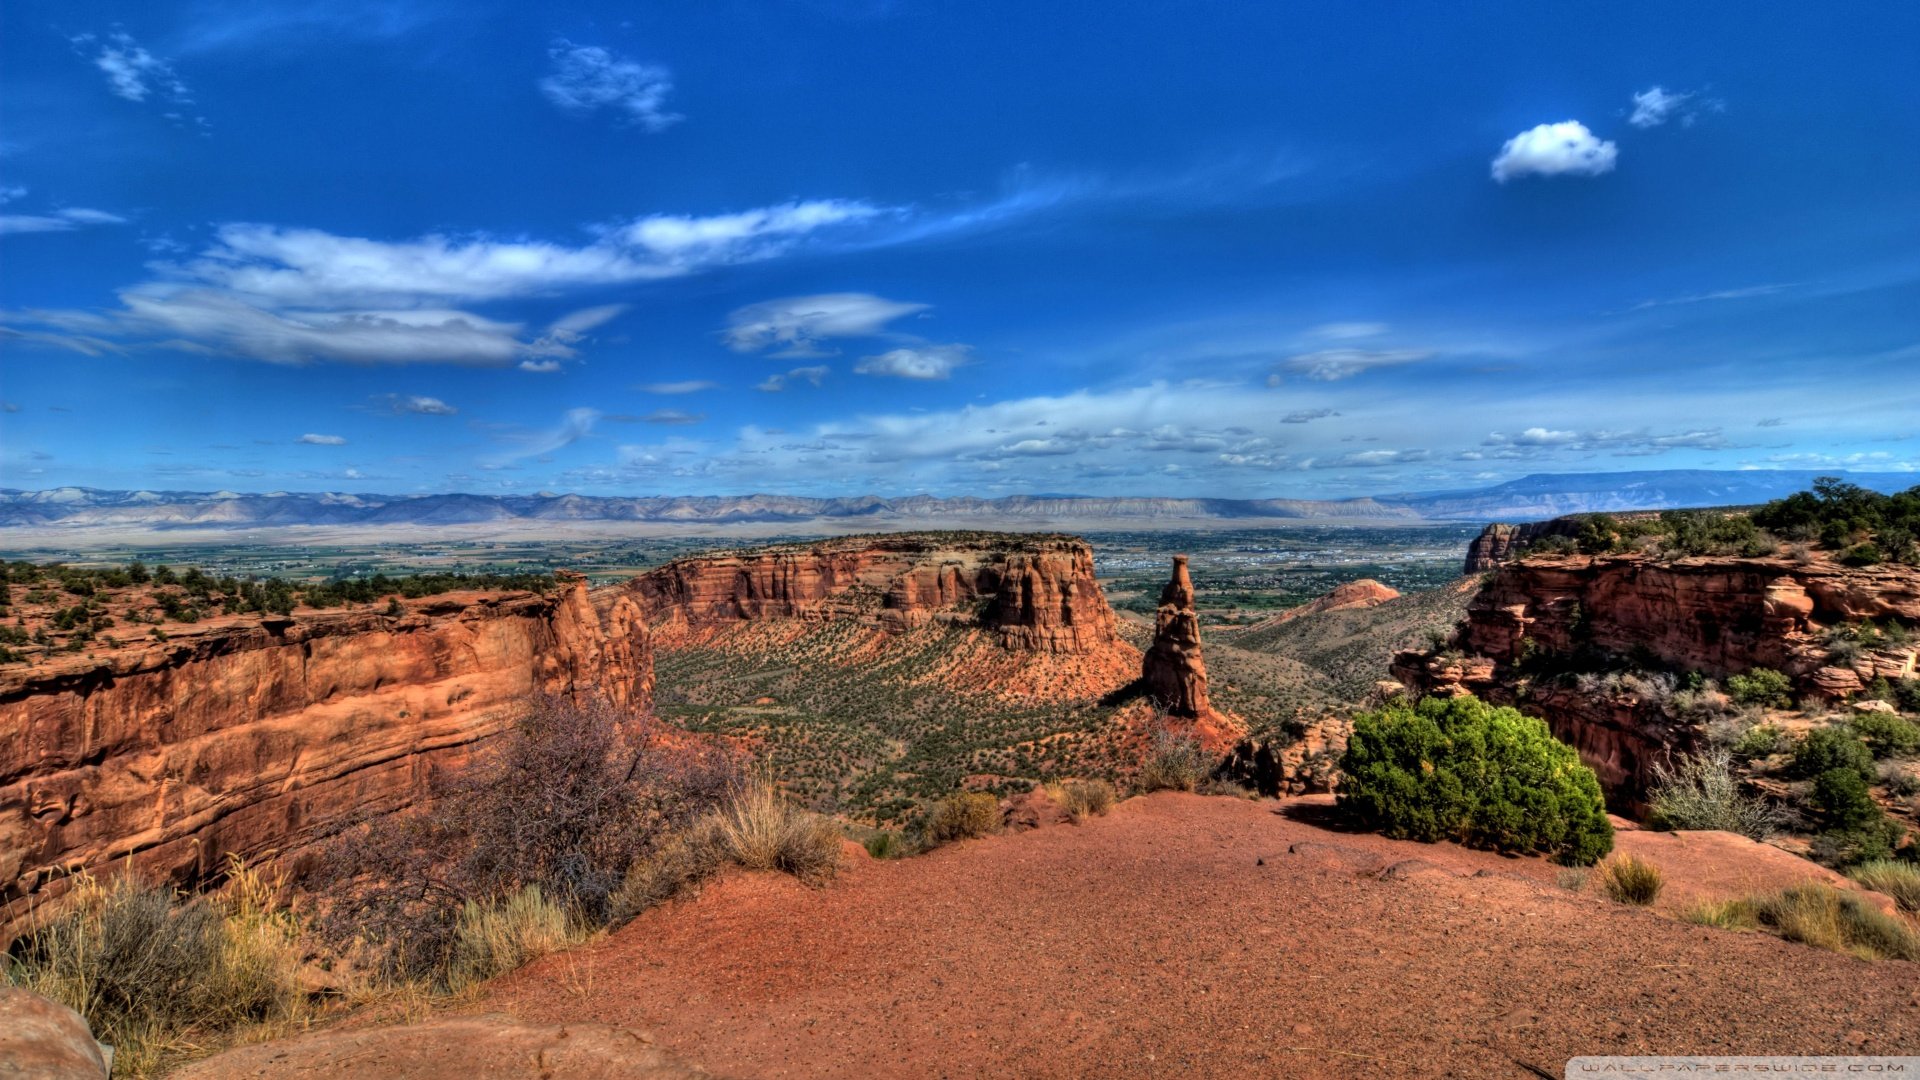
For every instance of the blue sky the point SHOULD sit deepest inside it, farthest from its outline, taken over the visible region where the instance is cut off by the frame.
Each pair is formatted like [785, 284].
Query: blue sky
[1288, 249]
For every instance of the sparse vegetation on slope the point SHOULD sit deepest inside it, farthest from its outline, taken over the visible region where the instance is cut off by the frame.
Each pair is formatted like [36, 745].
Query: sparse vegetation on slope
[1631, 880]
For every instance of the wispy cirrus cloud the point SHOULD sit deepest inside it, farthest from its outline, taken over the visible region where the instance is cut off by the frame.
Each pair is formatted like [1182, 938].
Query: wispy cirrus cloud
[800, 326]
[1333, 365]
[312, 439]
[62, 220]
[302, 295]
[811, 375]
[684, 386]
[135, 74]
[588, 78]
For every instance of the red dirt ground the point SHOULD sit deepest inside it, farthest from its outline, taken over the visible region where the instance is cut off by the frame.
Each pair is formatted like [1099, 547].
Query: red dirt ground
[1185, 936]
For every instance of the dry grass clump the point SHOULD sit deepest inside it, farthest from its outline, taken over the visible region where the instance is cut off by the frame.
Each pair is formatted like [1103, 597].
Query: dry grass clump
[758, 828]
[1900, 880]
[963, 816]
[1819, 915]
[1830, 918]
[1082, 799]
[1631, 880]
[1175, 762]
[1722, 914]
[158, 974]
[497, 936]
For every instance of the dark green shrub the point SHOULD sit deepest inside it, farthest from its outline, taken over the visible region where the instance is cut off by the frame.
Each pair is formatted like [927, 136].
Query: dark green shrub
[1866, 554]
[1830, 748]
[1841, 798]
[1887, 735]
[1761, 686]
[1460, 769]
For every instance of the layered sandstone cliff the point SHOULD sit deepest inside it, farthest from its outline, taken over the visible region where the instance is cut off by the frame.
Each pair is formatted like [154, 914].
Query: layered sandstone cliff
[1032, 593]
[1353, 595]
[249, 734]
[1716, 615]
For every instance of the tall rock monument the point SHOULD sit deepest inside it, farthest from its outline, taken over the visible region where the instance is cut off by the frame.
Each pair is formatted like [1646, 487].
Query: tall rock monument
[1174, 673]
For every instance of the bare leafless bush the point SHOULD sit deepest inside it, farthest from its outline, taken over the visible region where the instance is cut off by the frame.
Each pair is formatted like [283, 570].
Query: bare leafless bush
[573, 797]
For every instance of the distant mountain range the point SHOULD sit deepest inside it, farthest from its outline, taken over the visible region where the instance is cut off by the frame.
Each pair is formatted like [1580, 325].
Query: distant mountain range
[1528, 498]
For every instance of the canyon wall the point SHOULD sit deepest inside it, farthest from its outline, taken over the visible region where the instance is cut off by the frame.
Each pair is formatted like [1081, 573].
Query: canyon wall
[250, 734]
[1032, 593]
[1717, 615]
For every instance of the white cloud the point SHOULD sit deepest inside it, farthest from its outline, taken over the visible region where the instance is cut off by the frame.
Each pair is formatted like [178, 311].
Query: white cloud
[1655, 106]
[1302, 416]
[672, 417]
[10, 192]
[1744, 293]
[773, 384]
[797, 325]
[685, 386]
[573, 327]
[586, 78]
[575, 424]
[133, 72]
[321, 440]
[540, 367]
[1540, 441]
[300, 295]
[1331, 365]
[1563, 149]
[55, 220]
[425, 406]
[916, 362]
[1652, 107]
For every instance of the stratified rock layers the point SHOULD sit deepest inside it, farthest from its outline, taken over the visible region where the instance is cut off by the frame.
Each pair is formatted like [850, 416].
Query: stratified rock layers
[1033, 593]
[1718, 615]
[248, 735]
[1173, 670]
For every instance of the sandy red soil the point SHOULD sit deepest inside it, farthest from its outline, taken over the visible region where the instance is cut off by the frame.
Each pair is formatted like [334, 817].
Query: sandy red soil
[1186, 936]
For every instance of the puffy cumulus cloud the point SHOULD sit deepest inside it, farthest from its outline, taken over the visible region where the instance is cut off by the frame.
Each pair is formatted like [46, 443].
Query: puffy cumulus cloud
[586, 78]
[684, 386]
[1563, 149]
[800, 325]
[311, 439]
[1332, 365]
[1538, 442]
[811, 375]
[916, 361]
[62, 220]
[301, 295]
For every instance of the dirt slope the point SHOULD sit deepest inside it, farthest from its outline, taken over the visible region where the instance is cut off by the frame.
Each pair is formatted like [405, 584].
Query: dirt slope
[1186, 936]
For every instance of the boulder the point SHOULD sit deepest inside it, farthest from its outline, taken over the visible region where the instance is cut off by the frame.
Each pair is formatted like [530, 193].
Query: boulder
[45, 1040]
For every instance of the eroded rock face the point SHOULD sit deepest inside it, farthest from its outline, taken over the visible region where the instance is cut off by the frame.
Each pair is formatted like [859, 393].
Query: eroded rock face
[1173, 670]
[1034, 593]
[246, 734]
[1719, 615]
